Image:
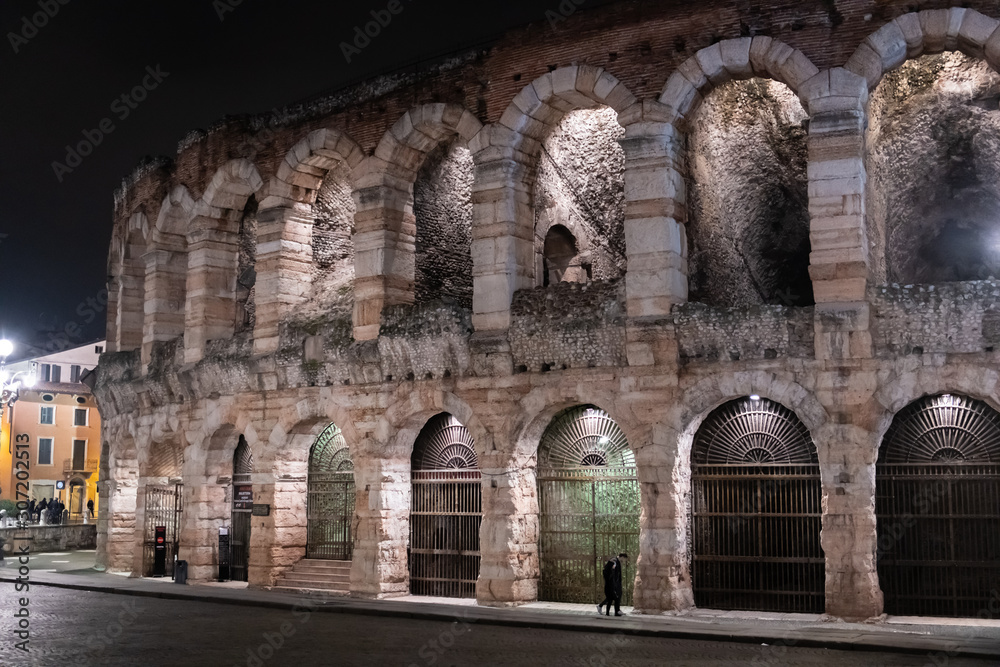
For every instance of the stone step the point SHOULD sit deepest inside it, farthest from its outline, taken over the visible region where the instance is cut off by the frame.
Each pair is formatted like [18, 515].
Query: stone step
[321, 570]
[301, 589]
[309, 576]
[317, 584]
[330, 564]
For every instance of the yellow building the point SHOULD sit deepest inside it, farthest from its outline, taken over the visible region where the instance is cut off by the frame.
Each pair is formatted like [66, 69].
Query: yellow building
[59, 417]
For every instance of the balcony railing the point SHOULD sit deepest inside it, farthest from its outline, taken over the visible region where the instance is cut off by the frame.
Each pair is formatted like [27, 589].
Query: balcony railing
[91, 465]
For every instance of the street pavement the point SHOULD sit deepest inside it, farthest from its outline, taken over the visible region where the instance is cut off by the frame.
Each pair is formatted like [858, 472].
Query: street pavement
[87, 617]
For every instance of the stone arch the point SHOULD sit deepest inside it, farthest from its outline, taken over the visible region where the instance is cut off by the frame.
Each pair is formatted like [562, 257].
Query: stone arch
[285, 227]
[213, 255]
[385, 225]
[927, 31]
[399, 427]
[166, 267]
[506, 155]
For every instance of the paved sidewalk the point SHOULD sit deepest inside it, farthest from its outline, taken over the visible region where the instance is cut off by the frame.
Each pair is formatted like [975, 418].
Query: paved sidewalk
[937, 639]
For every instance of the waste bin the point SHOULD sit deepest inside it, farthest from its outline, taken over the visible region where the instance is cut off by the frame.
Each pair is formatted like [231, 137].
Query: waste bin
[180, 572]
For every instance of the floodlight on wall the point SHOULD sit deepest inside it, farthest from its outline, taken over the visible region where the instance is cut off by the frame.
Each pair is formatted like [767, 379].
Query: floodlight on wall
[10, 384]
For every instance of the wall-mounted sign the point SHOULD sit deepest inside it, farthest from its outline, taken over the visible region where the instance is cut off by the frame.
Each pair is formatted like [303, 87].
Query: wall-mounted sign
[243, 497]
[261, 510]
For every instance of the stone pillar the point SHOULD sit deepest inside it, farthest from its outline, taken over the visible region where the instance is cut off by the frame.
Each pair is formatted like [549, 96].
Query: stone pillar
[278, 541]
[116, 550]
[384, 247]
[140, 527]
[206, 508]
[838, 261]
[508, 538]
[663, 579]
[284, 269]
[166, 277]
[128, 325]
[502, 227]
[655, 238]
[111, 316]
[380, 567]
[847, 464]
[211, 283]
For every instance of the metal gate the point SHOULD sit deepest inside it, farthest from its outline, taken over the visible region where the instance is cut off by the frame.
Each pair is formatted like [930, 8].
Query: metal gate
[163, 508]
[586, 517]
[588, 495]
[239, 535]
[937, 507]
[446, 511]
[756, 511]
[330, 498]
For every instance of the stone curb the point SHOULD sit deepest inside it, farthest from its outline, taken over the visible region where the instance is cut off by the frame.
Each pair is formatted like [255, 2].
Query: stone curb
[897, 642]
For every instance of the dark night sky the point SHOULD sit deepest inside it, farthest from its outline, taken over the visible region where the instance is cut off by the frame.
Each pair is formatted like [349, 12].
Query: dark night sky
[64, 79]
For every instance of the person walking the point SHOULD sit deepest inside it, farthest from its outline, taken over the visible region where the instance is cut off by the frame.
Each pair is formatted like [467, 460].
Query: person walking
[31, 510]
[90, 507]
[613, 584]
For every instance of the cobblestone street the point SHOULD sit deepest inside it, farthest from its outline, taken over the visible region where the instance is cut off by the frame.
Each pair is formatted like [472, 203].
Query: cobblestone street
[84, 628]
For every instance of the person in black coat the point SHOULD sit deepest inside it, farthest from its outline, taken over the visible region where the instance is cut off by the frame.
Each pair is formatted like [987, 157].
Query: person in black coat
[31, 510]
[90, 507]
[613, 584]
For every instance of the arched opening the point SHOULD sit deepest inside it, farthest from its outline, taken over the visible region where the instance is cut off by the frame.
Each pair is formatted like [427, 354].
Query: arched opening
[588, 499]
[442, 207]
[239, 535]
[937, 508]
[747, 200]
[579, 196]
[933, 189]
[246, 269]
[331, 497]
[446, 510]
[162, 502]
[756, 511]
[560, 258]
[332, 247]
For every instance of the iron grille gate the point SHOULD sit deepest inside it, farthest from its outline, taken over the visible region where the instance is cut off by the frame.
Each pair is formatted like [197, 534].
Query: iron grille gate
[446, 510]
[939, 538]
[329, 513]
[756, 538]
[587, 515]
[239, 536]
[163, 508]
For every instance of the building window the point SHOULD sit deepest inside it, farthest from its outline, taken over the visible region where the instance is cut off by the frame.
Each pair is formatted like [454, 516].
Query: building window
[74, 373]
[56, 373]
[45, 451]
[98, 349]
[46, 372]
[80, 417]
[47, 414]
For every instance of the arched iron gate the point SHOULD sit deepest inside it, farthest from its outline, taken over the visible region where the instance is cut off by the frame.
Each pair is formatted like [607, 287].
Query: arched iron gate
[937, 508]
[239, 537]
[446, 511]
[330, 498]
[588, 496]
[163, 505]
[756, 511]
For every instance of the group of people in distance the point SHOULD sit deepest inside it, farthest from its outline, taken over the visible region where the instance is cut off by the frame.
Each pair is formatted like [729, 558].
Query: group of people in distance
[52, 509]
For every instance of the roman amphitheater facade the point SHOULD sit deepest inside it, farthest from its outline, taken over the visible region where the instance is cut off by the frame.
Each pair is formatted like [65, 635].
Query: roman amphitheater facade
[674, 221]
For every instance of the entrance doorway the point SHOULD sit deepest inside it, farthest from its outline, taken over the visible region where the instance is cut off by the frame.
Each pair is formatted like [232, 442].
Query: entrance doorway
[330, 498]
[588, 496]
[239, 538]
[756, 511]
[446, 510]
[937, 509]
[163, 508]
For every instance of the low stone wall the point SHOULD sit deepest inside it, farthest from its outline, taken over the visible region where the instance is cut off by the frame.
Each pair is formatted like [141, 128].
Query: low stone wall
[569, 325]
[925, 319]
[53, 538]
[705, 333]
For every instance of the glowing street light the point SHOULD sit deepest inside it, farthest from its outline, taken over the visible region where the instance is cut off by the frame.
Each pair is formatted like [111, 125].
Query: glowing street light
[11, 383]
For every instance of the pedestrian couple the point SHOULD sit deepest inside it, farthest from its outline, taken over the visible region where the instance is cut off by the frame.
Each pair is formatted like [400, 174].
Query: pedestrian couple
[613, 585]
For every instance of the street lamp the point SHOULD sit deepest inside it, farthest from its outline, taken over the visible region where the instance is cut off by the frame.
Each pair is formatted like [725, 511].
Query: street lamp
[11, 383]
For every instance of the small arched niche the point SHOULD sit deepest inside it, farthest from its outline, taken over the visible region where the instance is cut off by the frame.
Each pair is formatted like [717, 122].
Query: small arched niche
[933, 176]
[580, 200]
[748, 205]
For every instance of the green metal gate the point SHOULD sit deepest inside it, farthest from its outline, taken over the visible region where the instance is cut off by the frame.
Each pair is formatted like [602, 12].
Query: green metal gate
[588, 501]
[446, 511]
[330, 498]
[586, 517]
[242, 508]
